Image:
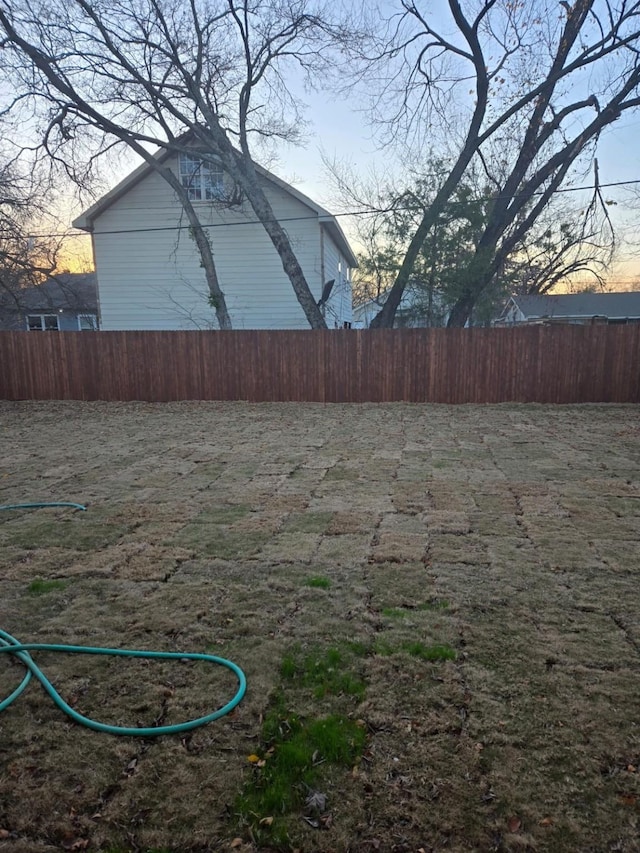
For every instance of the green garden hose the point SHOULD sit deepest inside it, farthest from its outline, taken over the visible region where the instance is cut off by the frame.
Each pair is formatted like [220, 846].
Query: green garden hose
[21, 651]
[48, 503]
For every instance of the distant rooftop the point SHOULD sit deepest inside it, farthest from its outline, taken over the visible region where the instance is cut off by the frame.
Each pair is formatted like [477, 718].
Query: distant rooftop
[75, 292]
[612, 305]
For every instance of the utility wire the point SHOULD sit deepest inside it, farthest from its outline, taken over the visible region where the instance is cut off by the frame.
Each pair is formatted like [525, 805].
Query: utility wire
[150, 229]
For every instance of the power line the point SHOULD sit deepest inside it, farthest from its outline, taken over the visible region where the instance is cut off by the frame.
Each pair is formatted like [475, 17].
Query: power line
[156, 228]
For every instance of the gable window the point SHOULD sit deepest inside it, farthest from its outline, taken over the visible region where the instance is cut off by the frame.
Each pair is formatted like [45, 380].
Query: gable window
[43, 323]
[87, 322]
[203, 181]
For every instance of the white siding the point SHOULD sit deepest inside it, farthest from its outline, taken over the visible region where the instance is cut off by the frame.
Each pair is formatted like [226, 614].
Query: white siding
[149, 273]
[338, 309]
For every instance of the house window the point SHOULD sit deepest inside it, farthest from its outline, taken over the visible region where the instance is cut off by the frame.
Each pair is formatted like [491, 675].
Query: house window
[87, 322]
[43, 323]
[203, 181]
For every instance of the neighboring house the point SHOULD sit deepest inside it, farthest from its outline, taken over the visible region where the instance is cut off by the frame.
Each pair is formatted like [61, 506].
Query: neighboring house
[148, 266]
[580, 308]
[364, 313]
[412, 312]
[64, 303]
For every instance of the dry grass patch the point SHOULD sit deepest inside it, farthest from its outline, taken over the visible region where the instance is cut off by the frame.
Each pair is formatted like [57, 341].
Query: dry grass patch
[308, 522]
[350, 522]
[399, 547]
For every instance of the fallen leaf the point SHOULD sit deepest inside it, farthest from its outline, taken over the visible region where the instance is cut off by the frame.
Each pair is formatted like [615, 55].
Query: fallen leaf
[237, 842]
[631, 768]
[253, 758]
[628, 799]
[514, 823]
[326, 820]
[316, 801]
[266, 821]
[546, 821]
[4, 833]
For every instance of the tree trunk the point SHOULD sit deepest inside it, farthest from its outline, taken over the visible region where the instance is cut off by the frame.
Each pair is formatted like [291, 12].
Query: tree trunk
[291, 267]
[216, 296]
[460, 312]
[385, 318]
[244, 173]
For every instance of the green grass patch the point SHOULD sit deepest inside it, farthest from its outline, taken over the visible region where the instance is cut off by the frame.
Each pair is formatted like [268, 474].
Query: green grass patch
[394, 613]
[318, 583]
[431, 653]
[42, 587]
[415, 648]
[296, 754]
[382, 647]
[325, 671]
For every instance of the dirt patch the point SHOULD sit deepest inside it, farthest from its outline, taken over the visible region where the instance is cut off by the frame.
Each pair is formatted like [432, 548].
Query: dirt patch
[458, 583]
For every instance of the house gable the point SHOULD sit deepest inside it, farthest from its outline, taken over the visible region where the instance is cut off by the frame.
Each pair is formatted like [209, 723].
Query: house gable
[86, 219]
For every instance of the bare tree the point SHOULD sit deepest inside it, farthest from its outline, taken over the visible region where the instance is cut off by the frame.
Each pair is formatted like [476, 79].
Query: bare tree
[567, 239]
[176, 74]
[532, 84]
[25, 260]
[564, 243]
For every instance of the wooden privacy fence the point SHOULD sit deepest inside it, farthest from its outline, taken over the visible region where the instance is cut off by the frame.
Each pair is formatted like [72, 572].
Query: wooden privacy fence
[541, 364]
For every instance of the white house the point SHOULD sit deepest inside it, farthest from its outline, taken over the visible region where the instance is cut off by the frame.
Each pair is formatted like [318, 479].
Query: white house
[148, 267]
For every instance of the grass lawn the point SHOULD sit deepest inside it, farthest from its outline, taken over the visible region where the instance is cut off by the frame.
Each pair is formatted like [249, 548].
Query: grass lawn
[436, 608]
